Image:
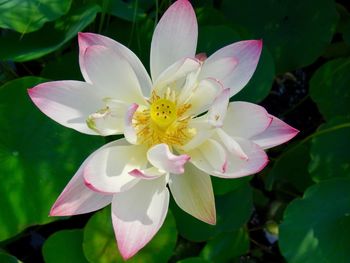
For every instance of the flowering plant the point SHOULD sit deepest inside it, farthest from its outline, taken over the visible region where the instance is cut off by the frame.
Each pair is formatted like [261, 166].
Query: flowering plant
[178, 124]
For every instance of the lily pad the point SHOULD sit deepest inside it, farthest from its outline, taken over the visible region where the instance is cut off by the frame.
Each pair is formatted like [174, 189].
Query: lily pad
[38, 157]
[295, 31]
[64, 246]
[330, 150]
[316, 228]
[100, 243]
[329, 86]
[6, 258]
[52, 36]
[25, 16]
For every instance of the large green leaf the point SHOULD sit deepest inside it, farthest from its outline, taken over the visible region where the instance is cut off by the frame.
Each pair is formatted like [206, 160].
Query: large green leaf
[296, 31]
[329, 88]
[52, 36]
[6, 258]
[232, 211]
[26, 16]
[100, 243]
[330, 150]
[64, 246]
[226, 246]
[37, 156]
[316, 228]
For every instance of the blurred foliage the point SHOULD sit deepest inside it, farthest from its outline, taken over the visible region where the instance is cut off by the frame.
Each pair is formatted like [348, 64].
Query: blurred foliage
[296, 210]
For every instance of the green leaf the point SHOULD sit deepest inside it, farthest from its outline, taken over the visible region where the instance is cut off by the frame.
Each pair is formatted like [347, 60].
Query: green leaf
[193, 260]
[232, 211]
[100, 243]
[223, 186]
[316, 228]
[295, 31]
[129, 11]
[6, 258]
[26, 16]
[37, 156]
[226, 246]
[291, 168]
[329, 86]
[52, 36]
[330, 150]
[64, 246]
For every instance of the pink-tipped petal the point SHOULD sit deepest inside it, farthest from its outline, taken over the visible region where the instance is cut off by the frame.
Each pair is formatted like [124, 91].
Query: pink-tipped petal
[245, 53]
[138, 214]
[77, 199]
[201, 57]
[210, 157]
[108, 170]
[112, 75]
[175, 37]
[161, 157]
[129, 131]
[245, 120]
[193, 193]
[89, 39]
[220, 69]
[150, 173]
[278, 132]
[217, 111]
[67, 102]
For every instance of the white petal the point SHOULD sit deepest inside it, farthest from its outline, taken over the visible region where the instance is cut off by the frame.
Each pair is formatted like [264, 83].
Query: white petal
[231, 144]
[150, 173]
[108, 169]
[203, 131]
[277, 133]
[217, 112]
[210, 157]
[193, 193]
[67, 102]
[245, 53]
[138, 214]
[112, 75]
[245, 120]
[90, 39]
[220, 69]
[238, 167]
[175, 37]
[161, 157]
[200, 95]
[77, 199]
[110, 119]
[129, 132]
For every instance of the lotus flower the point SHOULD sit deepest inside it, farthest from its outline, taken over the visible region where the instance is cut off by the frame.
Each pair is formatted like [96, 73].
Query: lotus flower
[178, 124]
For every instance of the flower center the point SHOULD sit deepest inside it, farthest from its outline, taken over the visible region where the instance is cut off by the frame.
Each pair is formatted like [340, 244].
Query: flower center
[163, 112]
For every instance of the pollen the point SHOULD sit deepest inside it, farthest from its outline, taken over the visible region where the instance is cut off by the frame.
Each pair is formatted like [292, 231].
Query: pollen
[163, 122]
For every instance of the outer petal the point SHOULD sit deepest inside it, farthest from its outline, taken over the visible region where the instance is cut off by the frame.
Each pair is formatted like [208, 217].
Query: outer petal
[193, 193]
[67, 102]
[138, 214]
[277, 133]
[129, 132]
[245, 53]
[112, 75]
[161, 157]
[175, 37]
[90, 39]
[217, 113]
[245, 120]
[108, 170]
[76, 198]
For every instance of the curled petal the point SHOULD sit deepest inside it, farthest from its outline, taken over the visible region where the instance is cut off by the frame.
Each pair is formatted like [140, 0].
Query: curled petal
[89, 39]
[67, 102]
[193, 193]
[277, 132]
[129, 131]
[231, 144]
[245, 53]
[147, 174]
[246, 120]
[174, 37]
[108, 169]
[112, 75]
[217, 112]
[138, 213]
[161, 157]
